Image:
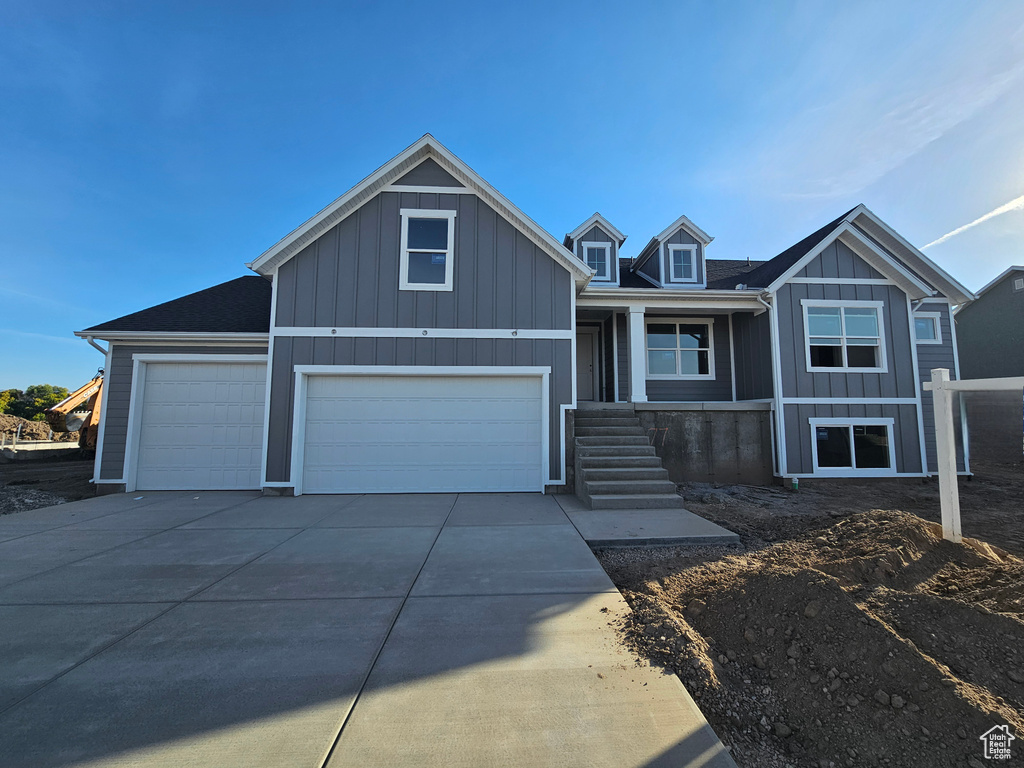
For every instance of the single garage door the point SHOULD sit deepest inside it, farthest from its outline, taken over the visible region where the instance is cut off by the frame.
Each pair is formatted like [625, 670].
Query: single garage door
[201, 426]
[405, 434]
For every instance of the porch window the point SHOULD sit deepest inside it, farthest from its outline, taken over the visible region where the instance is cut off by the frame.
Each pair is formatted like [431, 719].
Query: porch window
[844, 336]
[680, 349]
[852, 445]
[599, 257]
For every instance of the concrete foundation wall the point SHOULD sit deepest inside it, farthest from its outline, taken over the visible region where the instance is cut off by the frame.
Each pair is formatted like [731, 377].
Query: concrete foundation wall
[995, 421]
[712, 446]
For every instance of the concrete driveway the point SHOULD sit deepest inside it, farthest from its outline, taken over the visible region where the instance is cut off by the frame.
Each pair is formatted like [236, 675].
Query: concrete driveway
[229, 629]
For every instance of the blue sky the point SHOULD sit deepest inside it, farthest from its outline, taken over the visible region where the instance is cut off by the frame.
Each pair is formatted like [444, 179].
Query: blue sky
[148, 150]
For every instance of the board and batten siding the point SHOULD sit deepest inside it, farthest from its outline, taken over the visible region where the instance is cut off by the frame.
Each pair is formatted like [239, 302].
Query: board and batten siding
[938, 356]
[838, 260]
[752, 343]
[797, 381]
[800, 460]
[622, 354]
[596, 235]
[118, 383]
[348, 277]
[292, 351]
[682, 237]
[698, 390]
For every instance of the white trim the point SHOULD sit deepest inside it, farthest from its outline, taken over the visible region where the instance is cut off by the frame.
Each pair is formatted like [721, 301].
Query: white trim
[709, 322]
[361, 193]
[600, 221]
[694, 250]
[270, 369]
[923, 448]
[888, 423]
[779, 411]
[1018, 284]
[427, 190]
[615, 356]
[878, 306]
[692, 299]
[841, 280]
[637, 350]
[101, 430]
[156, 337]
[140, 363]
[858, 475]
[732, 359]
[964, 428]
[435, 333]
[449, 252]
[936, 318]
[684, 223]
[303, 372]
[1007, 384]
[849, 400]
[608, 248]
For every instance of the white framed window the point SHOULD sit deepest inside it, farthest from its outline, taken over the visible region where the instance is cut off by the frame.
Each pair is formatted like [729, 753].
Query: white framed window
[1018, 284]
[427, 261]
[844, 336]
[681, 266]
[862, 446]
[598, 256]
[680, 348]
[927, 328]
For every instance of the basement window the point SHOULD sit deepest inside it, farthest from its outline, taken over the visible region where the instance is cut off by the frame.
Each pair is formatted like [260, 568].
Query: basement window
[844, 336]
[428, 250]
[861, 446]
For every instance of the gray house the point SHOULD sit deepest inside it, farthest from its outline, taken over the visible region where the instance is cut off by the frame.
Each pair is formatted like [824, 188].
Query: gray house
[421, 334]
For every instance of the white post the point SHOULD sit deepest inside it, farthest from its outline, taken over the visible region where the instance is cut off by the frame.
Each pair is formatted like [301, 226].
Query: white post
[945, 449]
[637, 356]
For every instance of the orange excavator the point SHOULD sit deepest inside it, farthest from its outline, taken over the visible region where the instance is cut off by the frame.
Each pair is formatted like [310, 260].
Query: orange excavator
[86, 420]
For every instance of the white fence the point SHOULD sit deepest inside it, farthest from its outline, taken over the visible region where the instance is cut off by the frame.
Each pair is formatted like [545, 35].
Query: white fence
[942, 390]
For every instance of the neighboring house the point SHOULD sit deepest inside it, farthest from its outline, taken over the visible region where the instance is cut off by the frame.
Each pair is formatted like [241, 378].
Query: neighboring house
[421, 333]
[990, 338]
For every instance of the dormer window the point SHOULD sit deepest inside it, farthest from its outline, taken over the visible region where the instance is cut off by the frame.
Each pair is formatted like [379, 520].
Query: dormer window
[428, 249]
[599, 258]
[682, 260]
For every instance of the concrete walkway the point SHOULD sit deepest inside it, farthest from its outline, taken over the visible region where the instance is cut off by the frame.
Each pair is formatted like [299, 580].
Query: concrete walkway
[228, 629]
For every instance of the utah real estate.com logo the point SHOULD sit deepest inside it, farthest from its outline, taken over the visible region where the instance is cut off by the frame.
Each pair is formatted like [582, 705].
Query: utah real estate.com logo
[997, 742]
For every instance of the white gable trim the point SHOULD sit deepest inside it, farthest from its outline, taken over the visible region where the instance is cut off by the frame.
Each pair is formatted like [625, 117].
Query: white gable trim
[931, 271]
[998, 279]
[425, 147]
[600, 221]
[684, 223]
[869, 252]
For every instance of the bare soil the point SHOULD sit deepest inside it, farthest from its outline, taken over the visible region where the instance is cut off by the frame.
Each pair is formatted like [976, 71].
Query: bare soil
[843, 631]
[32, 430]
[26, 485]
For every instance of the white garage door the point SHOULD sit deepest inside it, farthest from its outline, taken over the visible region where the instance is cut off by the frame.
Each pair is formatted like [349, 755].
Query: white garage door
[404, 434]
[201, 426]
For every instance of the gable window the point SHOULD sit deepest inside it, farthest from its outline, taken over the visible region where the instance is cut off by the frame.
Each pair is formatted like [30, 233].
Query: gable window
[682, 263]
[598, 256]
[680, 349]
[844, 336]
[428, 249]
[845, 446]
[926, 328]
[1018, 284]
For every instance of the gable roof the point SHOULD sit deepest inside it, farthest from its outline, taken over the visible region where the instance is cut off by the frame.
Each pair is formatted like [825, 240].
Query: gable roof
[682, 222]
[583, 228]
[394, 169]
[774, 268]
[241, 305]
[999, 279]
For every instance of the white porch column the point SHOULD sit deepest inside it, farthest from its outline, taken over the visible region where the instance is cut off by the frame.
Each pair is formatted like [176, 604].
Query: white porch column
[637, 356]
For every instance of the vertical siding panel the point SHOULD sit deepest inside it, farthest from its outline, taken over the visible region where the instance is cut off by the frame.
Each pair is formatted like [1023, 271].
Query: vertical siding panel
[504, 275]
[389, 233]
[485, 277]
[324, 295]
[405, 351]
[466, 263]
[525, 316]
[369, 260]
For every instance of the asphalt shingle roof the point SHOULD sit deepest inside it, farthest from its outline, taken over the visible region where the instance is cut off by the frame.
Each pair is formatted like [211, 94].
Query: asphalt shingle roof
[241, 305]
[771, 270]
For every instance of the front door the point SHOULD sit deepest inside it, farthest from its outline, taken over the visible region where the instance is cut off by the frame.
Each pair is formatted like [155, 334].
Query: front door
[586, 364]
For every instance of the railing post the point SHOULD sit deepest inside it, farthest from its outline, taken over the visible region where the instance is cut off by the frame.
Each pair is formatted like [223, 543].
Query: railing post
[945, 454]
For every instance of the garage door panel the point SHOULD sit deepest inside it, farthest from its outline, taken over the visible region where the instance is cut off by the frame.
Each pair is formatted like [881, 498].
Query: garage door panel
[422, 433]
[201, 426]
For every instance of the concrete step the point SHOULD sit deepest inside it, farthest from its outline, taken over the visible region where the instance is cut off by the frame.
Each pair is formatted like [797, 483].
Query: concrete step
[636, 501]
[632, 450]
[614, 440]
[610, 431]
[607, 487]
[610, 474]
[618, 461]
[611, 421]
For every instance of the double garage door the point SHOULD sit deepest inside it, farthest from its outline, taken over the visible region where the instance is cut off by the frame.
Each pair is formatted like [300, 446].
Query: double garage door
[201, 427]
[422, 433]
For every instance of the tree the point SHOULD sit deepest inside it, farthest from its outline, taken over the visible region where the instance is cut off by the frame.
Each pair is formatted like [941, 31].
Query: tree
[31, 403]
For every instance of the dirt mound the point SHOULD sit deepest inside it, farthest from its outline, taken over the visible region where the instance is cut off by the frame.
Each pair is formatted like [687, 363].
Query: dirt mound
[32, 430]
[868, 642]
